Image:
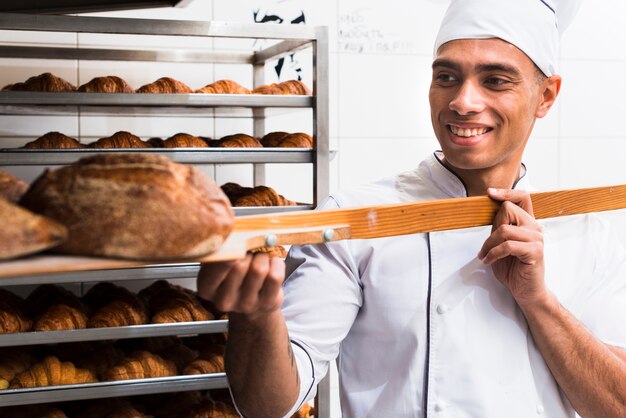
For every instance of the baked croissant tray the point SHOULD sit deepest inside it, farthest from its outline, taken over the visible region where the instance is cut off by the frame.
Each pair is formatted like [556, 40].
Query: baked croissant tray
[10, 397]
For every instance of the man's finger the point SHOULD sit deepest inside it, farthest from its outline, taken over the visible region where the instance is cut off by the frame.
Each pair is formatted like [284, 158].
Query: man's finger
[520, 197]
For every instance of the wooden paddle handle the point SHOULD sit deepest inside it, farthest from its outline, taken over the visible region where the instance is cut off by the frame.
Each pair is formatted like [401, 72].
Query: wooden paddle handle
[430, 216]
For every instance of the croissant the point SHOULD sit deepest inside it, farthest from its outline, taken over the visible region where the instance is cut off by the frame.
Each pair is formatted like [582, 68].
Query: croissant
[55, 308]
[305, 411]
[43, 82]
[12, 313]
[272, 139]
[61, 317]
[54, 140]
[277, 251]
[99, 359]
[11, 187]
[110, 408]
[237, 141]
[179, 354]
[33, 411]
[296, 140]
[106, 84]
[294, 87]
[234, 191]
[182, 140]
[155, 142]
[51, 372]
[120, 139]
[263, 196]
[212, 409]
[224, 87]
[209, 361]
[140, 365]
[12, 362]
[171, 303]
[170, 405]
[114, 306]
[165, 85]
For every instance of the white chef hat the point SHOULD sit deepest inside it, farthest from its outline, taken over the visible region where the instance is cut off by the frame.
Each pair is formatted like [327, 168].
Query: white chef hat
[534, 26]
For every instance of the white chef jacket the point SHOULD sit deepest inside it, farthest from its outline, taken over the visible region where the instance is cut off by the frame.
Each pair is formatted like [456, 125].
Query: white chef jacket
[421, 328]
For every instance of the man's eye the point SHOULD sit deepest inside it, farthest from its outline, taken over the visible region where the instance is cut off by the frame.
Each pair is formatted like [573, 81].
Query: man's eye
[496, 81]
[445, 78]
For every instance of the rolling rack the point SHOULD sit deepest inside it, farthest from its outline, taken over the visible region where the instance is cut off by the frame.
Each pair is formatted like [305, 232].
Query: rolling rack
[286, 39]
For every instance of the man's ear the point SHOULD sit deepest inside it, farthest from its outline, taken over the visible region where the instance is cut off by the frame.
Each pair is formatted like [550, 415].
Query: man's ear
[550, 89]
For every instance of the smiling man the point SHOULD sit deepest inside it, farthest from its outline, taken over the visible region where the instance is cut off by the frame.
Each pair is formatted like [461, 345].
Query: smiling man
[518, 320]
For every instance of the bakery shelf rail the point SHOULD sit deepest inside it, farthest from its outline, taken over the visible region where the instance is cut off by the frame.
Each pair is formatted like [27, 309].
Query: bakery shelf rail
[112, 333]
[12, 397]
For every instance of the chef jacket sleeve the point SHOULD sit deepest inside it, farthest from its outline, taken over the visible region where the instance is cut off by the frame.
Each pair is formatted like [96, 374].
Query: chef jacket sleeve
[322, 298]
[605, 310]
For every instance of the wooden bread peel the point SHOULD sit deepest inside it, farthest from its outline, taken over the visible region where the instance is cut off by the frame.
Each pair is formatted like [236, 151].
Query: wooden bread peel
[312, 227]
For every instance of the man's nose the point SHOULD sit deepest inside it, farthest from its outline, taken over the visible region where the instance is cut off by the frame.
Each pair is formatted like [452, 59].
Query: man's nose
[468, 99]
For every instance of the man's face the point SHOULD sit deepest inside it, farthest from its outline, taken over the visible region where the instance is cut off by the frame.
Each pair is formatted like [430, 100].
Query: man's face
[484, 98]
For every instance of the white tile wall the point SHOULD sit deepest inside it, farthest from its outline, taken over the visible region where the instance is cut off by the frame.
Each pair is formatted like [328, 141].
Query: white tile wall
[379, 77]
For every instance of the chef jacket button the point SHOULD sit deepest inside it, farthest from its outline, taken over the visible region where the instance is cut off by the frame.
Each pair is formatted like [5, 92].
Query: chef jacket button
[442, 308]
[539, 409]
[439, 407]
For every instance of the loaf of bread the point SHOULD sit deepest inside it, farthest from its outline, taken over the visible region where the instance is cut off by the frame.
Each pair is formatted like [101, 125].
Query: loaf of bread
[13, 316]
[294, 87]
[114, 306]
[137, 206]
[51, 372]
[182, 140]
[106, 84]
[224, 87]
[305, 411]
[54, 308]
[237, 141]
[140, 365]
[120, 139]
[43, 82]
[33, 411]
[54, 140]
[23, 232]
[13, 360]
[11, 188]
[165, 85]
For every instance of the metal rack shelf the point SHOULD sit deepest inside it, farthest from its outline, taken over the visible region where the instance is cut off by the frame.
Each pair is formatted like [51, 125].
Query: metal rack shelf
[12, 397]
[113, 333]
[20, 156]
[42, 99]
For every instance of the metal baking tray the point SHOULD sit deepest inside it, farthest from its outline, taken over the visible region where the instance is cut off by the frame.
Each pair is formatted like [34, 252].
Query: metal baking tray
[21, 156]
[11, 397]
[152, 99]
[114, 333]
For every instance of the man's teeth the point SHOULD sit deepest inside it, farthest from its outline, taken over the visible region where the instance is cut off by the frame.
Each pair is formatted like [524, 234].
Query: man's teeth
[468, 132]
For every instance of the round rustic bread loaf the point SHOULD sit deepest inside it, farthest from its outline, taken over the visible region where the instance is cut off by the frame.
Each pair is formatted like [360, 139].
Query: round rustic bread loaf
[23, 232]
[137, 206]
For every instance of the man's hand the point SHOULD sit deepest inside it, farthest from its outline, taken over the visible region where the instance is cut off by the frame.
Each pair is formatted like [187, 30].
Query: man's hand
[515, 247]
[250, 286]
